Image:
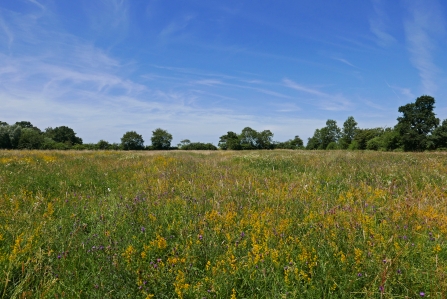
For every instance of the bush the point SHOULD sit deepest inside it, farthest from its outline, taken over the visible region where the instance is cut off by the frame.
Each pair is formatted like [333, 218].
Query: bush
[375, 144]
[354, 146]
[332, 146]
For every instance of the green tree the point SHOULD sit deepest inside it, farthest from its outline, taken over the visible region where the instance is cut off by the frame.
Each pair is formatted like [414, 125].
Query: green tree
[161, 139]
[439, 136]
[348, 132]
[2, 123]
[417, 124]
[362, 136]
[264, 140]
[5, 142]
[330, 133]
[184, 142]
[199, 146]
[314, 142]
[248, 138]
[132, 141]
[30, 138]
[27, 125]
[102, 145]
[10, 136]
[63, 134]
[295, 143]
[229, 141]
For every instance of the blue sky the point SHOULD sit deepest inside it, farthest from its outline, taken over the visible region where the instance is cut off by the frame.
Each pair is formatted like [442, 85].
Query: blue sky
[201, 68]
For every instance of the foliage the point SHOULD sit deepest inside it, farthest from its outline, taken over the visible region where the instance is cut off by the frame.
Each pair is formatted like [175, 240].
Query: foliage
[229, 141]
[417, 123]
[439, 136]
[348, 132]
[295, 143]
[132, 141]
[314, 142]
[324, 136]
[103, 145]
[63, 134]
[362, 136]
[198, 146]
[221, 225]
[30, 138]
[161, 139]
[332, 146]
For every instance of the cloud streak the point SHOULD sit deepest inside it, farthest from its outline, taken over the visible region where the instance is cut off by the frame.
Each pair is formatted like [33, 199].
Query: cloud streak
[325, 101]
[423, 26]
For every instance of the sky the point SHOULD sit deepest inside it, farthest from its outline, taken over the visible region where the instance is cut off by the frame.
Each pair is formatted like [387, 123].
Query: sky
[201, 68]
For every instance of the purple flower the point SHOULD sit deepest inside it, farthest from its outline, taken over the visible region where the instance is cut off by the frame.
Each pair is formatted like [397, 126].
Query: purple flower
[242, 234]
[381, 288]
[200, 237]
[422, 294]
[399, 271]
[143, 229]
[359, 274]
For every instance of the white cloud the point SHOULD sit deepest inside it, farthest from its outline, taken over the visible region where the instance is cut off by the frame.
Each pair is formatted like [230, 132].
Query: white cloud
[324, 101]
[378, 24]
[423, 26]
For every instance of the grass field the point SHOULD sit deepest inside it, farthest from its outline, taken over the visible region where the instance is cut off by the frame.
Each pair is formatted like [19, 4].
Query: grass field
[270, 224]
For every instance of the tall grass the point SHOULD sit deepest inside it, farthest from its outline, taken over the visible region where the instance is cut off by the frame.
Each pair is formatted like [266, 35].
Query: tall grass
[277, 224]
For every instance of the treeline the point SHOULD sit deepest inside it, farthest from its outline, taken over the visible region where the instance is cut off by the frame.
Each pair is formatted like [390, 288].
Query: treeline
[418, 129]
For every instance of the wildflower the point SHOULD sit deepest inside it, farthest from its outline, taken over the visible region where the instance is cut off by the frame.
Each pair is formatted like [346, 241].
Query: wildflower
[143, 229]
[359, 274]
[200, 237]
[422, 294]
[381, 288]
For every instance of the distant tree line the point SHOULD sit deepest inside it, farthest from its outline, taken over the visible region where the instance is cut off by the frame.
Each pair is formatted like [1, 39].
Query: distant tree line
[418, 129]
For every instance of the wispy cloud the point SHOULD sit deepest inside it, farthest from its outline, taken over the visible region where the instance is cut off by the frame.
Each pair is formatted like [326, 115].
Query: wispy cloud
[424, 25]
[9, 37]
[344, 61]
[326, 101]
[38, 4]
[176, 29]
[378, 24]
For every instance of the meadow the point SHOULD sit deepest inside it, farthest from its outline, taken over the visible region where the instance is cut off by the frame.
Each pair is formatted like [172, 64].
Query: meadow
[248, 224]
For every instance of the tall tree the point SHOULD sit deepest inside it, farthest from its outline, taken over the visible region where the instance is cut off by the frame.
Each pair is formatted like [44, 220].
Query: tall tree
[348, 132]
[362, 136]
[326, 135]
[439, 135]
[264, 140]
[161, 139]
[417, 124]
[132, 141]
[27, 125]
[229, 141]
[314, 142]
[63, 134]
[30, 139]
[248, 138]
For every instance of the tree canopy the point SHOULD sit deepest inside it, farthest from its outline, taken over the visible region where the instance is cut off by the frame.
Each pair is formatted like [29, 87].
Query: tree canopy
[161, 139]
[132, 141]
[417, 123]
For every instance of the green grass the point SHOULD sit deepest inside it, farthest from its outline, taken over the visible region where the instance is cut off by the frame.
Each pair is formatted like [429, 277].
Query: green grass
[255, 224]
